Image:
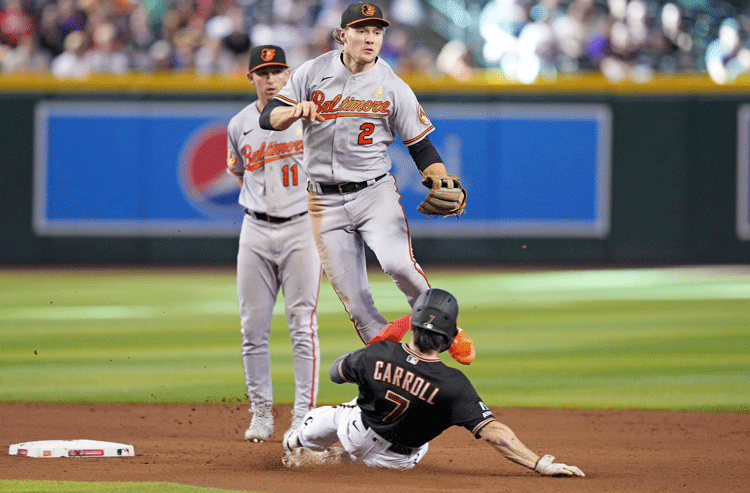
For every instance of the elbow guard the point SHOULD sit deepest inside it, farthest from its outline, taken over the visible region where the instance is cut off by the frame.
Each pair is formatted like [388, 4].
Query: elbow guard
[265, 116]
[424, 154]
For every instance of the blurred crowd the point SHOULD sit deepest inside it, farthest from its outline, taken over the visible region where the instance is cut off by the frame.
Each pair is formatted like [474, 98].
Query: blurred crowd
[521, 40]
[623, 39]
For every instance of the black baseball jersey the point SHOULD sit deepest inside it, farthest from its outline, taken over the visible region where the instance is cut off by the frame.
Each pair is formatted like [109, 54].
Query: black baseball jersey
[409, 400]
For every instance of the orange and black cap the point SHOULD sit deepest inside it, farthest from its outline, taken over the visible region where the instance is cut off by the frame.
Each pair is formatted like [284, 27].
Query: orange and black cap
[266, 55]
[362, 12]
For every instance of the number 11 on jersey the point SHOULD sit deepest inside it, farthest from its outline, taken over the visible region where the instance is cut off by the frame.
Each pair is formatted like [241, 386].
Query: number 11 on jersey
[294, 175]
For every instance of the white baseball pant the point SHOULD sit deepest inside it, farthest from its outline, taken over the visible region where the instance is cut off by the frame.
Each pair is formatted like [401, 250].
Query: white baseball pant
[325, 425]
[273, 256]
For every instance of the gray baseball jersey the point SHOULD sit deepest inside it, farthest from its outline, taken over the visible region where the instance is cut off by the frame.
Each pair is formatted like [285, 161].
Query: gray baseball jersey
[363, 113]
[273, 183]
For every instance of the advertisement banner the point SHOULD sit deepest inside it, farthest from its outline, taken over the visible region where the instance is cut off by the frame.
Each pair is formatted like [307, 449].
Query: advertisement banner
[530, 170]
[147, 169]
[134, 169]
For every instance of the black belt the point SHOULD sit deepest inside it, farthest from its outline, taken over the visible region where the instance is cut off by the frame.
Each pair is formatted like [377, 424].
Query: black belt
[350, 187]
[272, 219]
[399, 449]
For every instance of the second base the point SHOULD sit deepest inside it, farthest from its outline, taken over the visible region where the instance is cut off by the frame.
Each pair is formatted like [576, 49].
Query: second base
[71, 448]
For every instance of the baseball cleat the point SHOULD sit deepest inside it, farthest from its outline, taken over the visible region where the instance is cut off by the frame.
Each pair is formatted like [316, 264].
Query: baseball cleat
[393, 331]
[261, 427]
[462, 349]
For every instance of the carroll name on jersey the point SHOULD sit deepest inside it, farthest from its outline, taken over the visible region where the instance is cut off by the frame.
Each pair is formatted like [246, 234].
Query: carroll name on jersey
[404, 379]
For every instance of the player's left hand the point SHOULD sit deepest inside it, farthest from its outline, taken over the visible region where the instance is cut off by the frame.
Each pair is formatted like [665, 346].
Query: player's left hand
[546, 466]
[446, 198]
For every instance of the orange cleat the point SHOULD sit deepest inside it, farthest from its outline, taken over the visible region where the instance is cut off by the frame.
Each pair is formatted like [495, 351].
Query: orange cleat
[462, 349]
[393, 331]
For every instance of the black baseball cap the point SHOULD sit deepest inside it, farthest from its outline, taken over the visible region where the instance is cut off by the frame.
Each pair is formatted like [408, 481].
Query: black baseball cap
[266, 55]
[362, 12]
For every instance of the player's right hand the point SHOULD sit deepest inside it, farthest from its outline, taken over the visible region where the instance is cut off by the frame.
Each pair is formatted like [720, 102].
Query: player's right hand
[546, 466]
[307, 110]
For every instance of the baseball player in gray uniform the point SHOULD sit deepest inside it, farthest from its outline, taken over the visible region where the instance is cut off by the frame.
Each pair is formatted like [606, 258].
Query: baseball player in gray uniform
[407, 397]
[276, 248]
[351, 105]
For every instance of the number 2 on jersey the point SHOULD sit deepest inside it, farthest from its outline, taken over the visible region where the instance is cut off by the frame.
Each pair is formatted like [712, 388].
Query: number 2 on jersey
[295, 179]
[367, 130]
[402, 404]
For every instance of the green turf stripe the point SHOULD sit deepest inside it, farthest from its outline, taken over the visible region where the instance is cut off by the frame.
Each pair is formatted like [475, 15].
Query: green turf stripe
[650, 338]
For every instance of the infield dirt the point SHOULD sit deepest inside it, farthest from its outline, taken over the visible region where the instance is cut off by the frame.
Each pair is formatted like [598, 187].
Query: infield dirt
[202, 445]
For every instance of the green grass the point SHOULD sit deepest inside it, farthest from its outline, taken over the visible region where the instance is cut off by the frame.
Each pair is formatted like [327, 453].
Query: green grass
[638, 339]
[629, 339]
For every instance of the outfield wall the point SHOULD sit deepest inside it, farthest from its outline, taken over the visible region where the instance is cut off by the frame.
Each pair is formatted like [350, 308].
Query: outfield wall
[580, 171]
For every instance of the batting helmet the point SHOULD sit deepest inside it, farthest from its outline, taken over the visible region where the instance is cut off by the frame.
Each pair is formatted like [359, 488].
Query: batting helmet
[436, 310]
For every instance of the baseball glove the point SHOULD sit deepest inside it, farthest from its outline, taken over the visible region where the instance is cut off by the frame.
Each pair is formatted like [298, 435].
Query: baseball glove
[446, 198]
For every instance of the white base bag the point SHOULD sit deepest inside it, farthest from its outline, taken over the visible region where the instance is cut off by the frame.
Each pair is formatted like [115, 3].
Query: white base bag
[71, 448]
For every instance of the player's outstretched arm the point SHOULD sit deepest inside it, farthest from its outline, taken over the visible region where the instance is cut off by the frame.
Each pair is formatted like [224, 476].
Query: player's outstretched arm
[282, 117]
[502, 438]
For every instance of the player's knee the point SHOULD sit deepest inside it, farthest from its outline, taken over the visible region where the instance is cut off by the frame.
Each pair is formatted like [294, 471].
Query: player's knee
[395, 267]
[254, 339]
[302, 321]
[406, 275]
